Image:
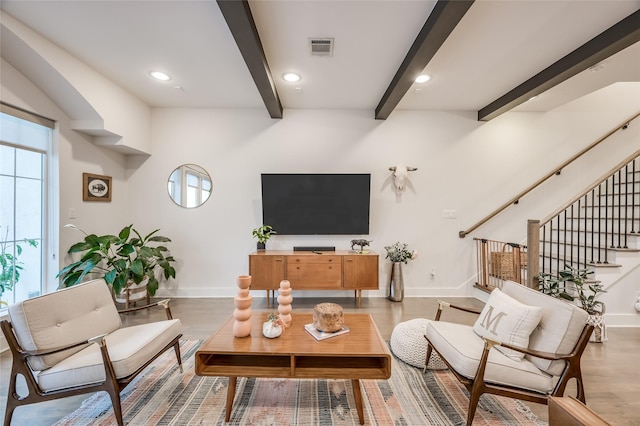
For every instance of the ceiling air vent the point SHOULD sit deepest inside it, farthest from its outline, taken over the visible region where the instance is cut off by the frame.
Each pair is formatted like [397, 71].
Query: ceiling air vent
[321, 46]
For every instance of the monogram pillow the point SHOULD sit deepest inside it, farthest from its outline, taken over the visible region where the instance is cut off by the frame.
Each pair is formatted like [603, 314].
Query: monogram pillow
[506, 320]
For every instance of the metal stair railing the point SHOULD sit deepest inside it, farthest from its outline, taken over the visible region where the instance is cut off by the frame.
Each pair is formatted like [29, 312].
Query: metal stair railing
[584, 231]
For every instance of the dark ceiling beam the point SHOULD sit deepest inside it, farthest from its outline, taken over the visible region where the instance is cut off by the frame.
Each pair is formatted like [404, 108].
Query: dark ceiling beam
[243, 28]
[443, 19]
[611, 41]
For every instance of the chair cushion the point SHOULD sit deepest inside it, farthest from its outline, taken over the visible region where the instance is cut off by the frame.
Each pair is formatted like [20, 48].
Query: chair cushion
[129, 349]
[462, 348]
[559, 328]
[62, 318]
[506, 320]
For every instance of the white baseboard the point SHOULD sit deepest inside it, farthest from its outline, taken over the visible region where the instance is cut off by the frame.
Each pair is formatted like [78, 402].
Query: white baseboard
[622, 320]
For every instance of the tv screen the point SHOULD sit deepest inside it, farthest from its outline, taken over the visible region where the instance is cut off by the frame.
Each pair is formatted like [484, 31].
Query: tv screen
[316, 204]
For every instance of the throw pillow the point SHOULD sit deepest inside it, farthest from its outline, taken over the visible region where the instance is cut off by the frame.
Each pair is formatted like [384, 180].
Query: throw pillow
[507, 320]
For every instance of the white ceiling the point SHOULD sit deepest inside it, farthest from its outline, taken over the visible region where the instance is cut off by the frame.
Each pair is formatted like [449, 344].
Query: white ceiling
[497, 46]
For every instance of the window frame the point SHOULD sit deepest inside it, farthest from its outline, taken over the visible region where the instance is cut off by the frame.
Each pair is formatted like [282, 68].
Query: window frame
[50, 194]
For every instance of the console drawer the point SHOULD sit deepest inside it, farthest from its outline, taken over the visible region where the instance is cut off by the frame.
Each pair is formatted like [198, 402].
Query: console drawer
[316, 258]
[314, 275]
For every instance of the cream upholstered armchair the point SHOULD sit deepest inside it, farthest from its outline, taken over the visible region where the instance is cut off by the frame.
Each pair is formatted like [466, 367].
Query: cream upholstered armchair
[72, 341]
[524, 345]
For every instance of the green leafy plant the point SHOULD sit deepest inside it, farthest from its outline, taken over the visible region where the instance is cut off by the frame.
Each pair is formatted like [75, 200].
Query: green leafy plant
[571, 284]
[11, 266]
[127, 257]
[263, 233]
[399, 252]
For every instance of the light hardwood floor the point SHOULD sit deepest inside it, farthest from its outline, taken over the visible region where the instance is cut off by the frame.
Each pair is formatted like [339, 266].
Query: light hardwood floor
[611, 370]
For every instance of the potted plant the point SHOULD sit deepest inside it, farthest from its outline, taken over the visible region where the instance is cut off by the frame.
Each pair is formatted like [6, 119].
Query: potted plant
[11, 266]
[123, 260]
[573, 284]
[263, 233]
[398, 253]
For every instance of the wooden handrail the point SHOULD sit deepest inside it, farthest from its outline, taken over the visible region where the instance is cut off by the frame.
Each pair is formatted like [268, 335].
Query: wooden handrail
[552, 173]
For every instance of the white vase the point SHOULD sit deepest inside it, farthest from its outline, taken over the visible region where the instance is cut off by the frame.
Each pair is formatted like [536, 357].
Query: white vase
[271, 330]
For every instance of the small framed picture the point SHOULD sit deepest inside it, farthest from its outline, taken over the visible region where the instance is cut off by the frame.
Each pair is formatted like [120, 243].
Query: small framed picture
[96, 187]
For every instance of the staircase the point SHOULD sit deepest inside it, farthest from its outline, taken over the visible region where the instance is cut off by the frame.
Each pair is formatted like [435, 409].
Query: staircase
[598, 230]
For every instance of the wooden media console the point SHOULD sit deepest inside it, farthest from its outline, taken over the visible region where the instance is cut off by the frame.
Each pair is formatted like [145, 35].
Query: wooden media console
[307, 270]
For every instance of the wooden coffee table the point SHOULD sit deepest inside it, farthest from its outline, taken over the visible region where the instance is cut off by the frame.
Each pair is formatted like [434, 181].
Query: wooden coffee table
[359, 354]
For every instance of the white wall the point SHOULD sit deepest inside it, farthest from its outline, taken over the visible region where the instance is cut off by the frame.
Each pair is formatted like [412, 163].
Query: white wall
[463, 165]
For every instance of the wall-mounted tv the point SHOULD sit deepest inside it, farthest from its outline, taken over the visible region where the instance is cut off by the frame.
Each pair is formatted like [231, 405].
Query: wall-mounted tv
[316, 204]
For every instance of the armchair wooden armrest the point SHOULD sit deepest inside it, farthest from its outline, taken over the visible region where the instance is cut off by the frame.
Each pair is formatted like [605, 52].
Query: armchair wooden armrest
[442, 304]
[164, 303]
[538, 354]
[43, 352]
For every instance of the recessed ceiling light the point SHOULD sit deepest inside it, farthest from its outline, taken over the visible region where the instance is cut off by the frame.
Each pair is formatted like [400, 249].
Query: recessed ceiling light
[291, 77]
[159, 76]
[422, 78]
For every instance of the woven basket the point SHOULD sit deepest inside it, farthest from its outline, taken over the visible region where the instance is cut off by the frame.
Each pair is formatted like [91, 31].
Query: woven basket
[502, 264]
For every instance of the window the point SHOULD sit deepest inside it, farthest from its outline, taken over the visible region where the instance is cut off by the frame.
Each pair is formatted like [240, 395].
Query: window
[24, 152]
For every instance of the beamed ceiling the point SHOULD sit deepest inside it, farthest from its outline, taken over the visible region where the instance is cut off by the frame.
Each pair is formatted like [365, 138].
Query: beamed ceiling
[485, 56]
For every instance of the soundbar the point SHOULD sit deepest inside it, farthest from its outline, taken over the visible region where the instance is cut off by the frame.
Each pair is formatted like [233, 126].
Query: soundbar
[314, 248]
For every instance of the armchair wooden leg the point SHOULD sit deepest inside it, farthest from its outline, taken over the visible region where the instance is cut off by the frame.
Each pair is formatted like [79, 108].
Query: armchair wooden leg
[474, 397]
[427, 356]
[580, 388]
[117, 407]
[176, 348]
[8, 414]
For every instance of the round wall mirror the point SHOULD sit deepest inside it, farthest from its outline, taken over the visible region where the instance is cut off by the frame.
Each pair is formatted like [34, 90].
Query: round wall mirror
[189, 186]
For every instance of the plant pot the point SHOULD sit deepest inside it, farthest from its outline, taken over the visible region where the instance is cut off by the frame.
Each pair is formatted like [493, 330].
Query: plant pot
[599, 334]
[133, 293]
[262, 246]
[396, 283]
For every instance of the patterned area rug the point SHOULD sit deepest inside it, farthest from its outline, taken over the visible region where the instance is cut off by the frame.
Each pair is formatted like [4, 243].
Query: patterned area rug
[163, 396]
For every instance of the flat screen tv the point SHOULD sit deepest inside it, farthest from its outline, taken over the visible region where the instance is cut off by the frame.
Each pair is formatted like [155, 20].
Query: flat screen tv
[316, 204]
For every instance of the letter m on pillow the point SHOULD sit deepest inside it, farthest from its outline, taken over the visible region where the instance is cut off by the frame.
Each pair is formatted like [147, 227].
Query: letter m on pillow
[490, 322]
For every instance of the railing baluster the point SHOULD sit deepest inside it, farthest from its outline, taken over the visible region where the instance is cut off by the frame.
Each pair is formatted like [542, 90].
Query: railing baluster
[586, 198]
[564, 240]
[606, 216]
[593, 215]
[626, 203]
[544, 248]
[558, 246]
[571, 236]
[619, 202]
[633, 198]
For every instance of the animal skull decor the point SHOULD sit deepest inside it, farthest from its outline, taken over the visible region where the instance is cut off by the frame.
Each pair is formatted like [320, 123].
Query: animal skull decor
[400, 175]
